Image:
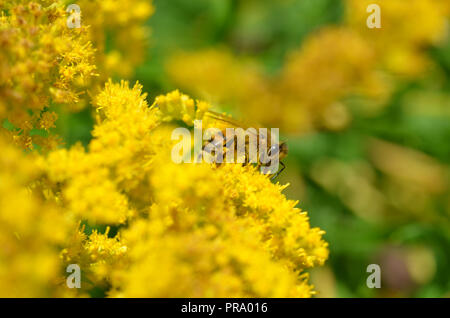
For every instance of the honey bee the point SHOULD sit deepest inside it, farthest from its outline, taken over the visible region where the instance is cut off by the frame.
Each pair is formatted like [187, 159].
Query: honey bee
[230, 143]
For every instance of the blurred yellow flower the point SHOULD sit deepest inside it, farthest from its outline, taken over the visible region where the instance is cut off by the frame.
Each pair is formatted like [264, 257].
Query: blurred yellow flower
[305, 96]
[32, 230]
[117, 55]
[333, 63]
[407, 30]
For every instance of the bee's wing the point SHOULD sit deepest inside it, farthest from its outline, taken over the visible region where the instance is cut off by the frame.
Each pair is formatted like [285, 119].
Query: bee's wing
[222, 120]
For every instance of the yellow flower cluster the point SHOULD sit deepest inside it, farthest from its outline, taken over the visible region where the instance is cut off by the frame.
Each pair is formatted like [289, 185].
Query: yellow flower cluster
[192, 229]
[93, 183]
[120, 54]
[136, 223]
[42, 62]
[97, 255]
[218, 233]
[32, 230]
[337, 61]
[46, 63]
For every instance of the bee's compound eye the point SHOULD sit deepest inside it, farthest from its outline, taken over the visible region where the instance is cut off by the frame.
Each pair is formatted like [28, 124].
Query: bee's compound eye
[273, 150]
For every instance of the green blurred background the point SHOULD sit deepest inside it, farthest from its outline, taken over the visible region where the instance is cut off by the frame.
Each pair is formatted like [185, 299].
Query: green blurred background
[378, 187]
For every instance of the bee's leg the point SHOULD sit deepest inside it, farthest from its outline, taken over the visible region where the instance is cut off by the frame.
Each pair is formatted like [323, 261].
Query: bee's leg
[229, 142]
[276, 175]
[200, 156]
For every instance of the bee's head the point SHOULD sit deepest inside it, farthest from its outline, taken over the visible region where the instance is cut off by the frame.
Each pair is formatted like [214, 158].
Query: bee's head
[283, 150]
[280, 149]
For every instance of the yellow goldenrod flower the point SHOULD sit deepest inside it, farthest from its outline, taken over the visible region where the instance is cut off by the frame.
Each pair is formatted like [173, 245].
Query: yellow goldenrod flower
[124, 19]
[97, 255]
[191, 229]
[42, 63]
